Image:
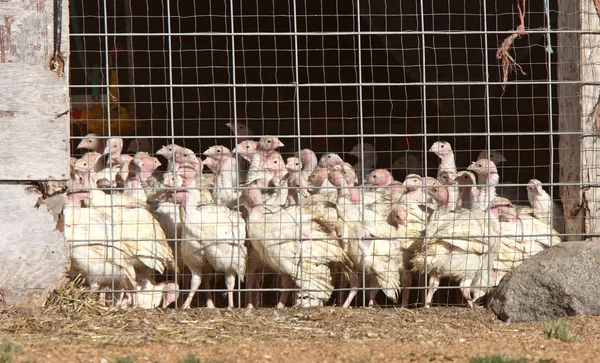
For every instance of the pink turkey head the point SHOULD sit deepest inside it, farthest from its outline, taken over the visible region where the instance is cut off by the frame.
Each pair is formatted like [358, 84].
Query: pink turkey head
[379, 177]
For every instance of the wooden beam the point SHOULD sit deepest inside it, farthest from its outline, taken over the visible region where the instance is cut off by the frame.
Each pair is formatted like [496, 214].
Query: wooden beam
[590, 119]
[579, 61]
[34, 129]
[569, 116]
[34, 100]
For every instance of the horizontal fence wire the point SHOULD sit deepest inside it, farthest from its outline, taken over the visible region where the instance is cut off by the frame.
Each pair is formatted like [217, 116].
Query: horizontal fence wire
[352, 153]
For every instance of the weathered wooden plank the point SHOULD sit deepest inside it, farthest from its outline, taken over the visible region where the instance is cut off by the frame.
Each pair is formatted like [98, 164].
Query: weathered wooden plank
[31, 95]
[33, 255]
[36, 140]
[569, 118]
[590, 146]
[579, 60]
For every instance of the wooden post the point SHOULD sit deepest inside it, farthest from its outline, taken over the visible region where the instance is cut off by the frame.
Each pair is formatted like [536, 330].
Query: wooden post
[34, 129]
[590, 118]
[579, 61]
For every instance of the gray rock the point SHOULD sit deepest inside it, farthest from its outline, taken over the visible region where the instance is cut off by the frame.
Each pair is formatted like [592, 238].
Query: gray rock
[561, 281]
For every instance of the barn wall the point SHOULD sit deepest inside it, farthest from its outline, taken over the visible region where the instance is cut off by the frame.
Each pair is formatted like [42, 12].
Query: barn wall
[34, 130]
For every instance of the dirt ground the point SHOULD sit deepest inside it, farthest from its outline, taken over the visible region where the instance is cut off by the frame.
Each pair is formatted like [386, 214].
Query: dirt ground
[440, 334]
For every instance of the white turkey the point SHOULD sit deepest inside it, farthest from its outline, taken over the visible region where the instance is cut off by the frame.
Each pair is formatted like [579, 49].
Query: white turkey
[309, 162]
[140, 235]
[487, 179]
[101, 262]
[92, 143]
[292, 243]
[213, 237]
[458, 246]
[225, 179]
[443, 150]
[257, 170]
[544, 207]
[374, 246]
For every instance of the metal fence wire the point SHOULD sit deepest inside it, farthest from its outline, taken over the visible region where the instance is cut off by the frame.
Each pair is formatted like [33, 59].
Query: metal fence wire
[280, 153]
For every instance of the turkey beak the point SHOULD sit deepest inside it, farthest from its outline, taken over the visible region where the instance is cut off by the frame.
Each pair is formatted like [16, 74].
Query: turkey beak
[207, 152]
[162, 151]
[280, 144]
[471, 167]
[106, 150]
[81, 145]
[503, 159]
[432, 149]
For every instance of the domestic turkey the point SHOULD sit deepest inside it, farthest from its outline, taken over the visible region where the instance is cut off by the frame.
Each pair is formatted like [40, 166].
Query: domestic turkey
[213, 237]
[458, 245]
[375, 247]
[443, 150]
[301, 250]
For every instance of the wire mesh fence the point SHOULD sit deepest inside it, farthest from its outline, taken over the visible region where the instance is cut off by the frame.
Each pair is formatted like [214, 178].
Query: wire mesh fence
[323, 150]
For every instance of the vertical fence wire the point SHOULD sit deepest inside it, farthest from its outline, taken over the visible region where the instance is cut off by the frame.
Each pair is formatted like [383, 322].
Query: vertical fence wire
[108, 120]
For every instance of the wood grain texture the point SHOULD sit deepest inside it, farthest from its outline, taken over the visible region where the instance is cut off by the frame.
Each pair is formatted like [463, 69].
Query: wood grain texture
[579, 60]
[589, 95]
[33, 255]
[31, 95]
[569, 118]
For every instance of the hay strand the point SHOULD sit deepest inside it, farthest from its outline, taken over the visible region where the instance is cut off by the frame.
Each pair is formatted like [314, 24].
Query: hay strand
[73, 297]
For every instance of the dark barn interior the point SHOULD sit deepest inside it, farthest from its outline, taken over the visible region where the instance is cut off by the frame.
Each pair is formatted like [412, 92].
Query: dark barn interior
[416, 88]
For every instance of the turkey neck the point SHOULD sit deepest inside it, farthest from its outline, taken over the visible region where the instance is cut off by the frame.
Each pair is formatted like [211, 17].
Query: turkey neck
[224, 176]
[134, 180]
[487, 190]
[86, 177]
[540, 203]
[443, 208]
[467, 196]
[257, 209]
[344, 202]
[451, 205]
[187, 198]
[309, 163]
[257, 163]
[447, 163]
[198, 169]
[144, 175]
[543, 208]
[281, 192]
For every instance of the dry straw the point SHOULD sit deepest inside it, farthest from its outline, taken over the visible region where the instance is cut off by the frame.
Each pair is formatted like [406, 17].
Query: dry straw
[73, 297]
